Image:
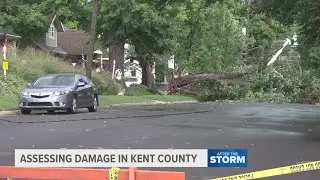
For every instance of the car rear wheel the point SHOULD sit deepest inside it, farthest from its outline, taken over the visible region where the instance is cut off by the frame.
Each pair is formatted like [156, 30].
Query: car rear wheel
[25, 111]
[74, 107]
[94, 108]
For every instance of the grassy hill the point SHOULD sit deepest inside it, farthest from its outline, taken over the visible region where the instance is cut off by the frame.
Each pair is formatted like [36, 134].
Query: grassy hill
[28, 64]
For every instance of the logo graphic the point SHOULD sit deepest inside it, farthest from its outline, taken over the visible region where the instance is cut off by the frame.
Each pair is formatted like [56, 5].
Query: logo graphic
[227, 158]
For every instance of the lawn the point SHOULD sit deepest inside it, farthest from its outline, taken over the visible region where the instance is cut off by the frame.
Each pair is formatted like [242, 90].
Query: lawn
[109, 100]
[11, 102]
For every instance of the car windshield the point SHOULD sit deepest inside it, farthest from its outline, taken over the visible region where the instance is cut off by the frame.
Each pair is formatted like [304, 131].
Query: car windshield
[54, 80]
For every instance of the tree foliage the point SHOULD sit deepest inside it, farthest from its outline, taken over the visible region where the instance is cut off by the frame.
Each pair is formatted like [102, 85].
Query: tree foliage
[22, 18]
[304, 13]
[205, 36]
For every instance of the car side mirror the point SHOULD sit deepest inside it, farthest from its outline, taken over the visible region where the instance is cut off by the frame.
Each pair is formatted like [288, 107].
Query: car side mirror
[28, 84]
[81, 84]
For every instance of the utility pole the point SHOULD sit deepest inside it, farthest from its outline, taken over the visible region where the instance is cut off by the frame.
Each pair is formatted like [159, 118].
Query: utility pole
[4, 42]
[93, 32]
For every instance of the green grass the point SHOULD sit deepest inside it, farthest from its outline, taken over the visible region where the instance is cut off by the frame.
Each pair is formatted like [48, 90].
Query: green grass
[8, 103]
[109, 100]
[11, 102]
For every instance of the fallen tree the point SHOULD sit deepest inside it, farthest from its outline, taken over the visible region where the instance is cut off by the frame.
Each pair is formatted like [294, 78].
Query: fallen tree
[189, 84]
[211, 77]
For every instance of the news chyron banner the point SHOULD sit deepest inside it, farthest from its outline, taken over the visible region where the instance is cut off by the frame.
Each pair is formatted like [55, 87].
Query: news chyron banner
[233, 158]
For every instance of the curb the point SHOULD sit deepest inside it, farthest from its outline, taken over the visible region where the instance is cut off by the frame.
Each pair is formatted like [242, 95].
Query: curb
[15, 112]
[6, 113]
[152, 103]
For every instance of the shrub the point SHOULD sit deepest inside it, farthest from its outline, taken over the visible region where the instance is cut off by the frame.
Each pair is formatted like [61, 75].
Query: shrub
[222, 91]
[11, 85]
[105, 85]
[270, 97]
[138, 90]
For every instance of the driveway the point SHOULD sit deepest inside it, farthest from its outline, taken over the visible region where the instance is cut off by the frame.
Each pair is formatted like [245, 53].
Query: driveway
[275, 135]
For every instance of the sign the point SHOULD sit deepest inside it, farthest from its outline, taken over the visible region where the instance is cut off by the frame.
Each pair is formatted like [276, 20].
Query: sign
[114, 173]
[130, 158]
[5, 64]
[118, 74]
[73, 64]
[227, 158]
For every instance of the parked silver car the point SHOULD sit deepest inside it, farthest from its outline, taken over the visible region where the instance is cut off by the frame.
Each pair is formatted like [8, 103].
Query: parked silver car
[65, 91]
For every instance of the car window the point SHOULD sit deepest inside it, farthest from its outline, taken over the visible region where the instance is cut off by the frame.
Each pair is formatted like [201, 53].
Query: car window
[86, 79]
[54, 80]
[81, 80]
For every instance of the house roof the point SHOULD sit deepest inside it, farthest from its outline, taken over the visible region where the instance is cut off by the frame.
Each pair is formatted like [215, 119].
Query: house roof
[42, 44]
[69, 41]
[74, 42]
[52, 18]
[8, 33]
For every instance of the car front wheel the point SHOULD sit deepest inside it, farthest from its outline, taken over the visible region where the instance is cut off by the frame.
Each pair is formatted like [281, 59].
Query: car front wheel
[74, 107]
[94, 108]
[25, 111]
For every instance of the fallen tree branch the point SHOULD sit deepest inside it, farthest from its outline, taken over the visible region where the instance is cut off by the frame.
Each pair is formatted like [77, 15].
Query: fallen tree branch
[211, 77]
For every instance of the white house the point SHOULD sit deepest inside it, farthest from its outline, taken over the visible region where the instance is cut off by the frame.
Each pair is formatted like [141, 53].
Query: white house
[131, 69]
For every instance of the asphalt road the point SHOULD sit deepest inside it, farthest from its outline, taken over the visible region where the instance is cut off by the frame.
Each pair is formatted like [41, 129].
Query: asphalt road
[275, 135]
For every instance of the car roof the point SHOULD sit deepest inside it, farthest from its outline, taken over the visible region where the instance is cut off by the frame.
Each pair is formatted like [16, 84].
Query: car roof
[66, 73]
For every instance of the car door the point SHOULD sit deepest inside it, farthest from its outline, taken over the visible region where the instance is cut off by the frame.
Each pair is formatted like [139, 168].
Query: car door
[88, 91]
[81, 93]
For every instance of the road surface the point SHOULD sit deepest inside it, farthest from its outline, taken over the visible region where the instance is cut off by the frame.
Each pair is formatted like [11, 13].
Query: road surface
[275, 135]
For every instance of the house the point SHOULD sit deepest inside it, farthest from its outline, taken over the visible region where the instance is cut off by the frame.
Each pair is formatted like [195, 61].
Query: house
[69, 44]
[132, 69]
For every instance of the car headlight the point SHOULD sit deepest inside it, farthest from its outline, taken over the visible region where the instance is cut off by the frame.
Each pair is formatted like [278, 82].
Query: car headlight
[61, 93]
[25, 94]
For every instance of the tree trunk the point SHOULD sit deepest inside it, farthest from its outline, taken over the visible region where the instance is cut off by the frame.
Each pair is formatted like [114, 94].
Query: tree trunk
[211, 77]
[147, 75]
[144, 73]
[92, 38]
[116, 52]
[153, 76]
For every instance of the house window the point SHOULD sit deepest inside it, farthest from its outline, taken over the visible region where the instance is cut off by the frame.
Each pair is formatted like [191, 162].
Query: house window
[51, 31]
[133, 73]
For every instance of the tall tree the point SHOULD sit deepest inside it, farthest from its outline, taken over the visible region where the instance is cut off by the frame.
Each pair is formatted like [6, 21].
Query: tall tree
[73, 13]
[304, 13]
[92, 37]
[144, 24]
[214, 39]
[24, 18]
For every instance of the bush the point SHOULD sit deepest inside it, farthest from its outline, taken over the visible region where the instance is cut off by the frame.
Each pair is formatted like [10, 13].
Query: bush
[270, 97]
[138, 90]
[11, 85]
[105, 85]
[31, 63]
[221, 91]
[309, 94]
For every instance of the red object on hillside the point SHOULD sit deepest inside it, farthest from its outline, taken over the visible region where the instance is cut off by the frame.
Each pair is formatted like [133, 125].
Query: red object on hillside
[172, 90]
